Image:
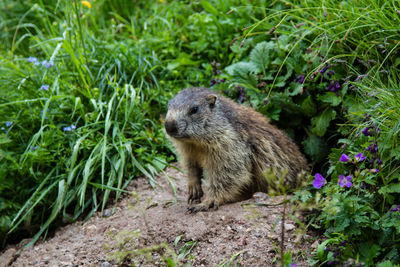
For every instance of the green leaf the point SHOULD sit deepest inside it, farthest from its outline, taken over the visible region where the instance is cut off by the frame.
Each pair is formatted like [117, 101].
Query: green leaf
[316, 148]
[308, 106]
[261, 55]
[392, 188]
[321, 122]
[368, 252]
[243, 72]
[209, 8]
[330, 98]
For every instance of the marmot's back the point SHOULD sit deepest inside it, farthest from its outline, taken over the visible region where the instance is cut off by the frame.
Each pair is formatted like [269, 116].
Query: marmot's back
[230, 144]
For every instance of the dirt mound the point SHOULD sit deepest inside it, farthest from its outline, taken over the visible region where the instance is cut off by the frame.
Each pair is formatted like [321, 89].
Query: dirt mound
[151, 227]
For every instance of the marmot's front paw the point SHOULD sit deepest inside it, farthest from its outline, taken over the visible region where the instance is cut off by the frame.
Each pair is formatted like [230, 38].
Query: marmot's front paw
[205, 205]
[195, 193]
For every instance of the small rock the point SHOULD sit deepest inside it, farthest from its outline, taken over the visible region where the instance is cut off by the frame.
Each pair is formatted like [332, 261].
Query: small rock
[289, 227]
[107, 213]
[315, 244]
[242, 241]
[106, 264]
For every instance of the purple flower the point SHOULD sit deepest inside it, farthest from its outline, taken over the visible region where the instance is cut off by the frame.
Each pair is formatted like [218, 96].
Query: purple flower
[374, 170]
[69, 128]
[241, 98]
[345, 181]
[330, 73]
[293, 265]
[344, 158]
[44, 87]
[213, 81]
[9, 123]
[47, 64]
[32, 60]
[299, 79]
[319, 181]
[35, 148]
[359, 157]
[324, 69]
[373, 148]
[222, 80]
[366, 131]
[397, 208]
[379, 161]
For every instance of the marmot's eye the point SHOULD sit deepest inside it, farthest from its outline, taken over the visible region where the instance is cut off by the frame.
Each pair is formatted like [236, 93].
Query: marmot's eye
[193, 110]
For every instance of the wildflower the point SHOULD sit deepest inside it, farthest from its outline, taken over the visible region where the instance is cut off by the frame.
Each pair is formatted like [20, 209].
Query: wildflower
[373, 148]
[345, 181]
[397, 208]
[213, 81]
[9, 123]
[366, 131]
[299, 79]
[223, 80]
[49, 64]
[44, 87]
[87, 4]
[344, 158]
[35, 148]
[330, 73]
[374, 170]
[334, 87]
[32, 60]
[69, 128]
[293, 265]
[324, 69]
[359, 157]
[379, 161]
[319, 181]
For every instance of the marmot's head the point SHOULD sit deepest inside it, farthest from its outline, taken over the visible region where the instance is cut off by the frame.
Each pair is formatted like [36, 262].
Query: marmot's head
[190, 114]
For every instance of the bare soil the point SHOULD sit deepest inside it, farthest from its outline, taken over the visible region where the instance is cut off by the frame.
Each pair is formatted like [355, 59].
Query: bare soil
[151, 227]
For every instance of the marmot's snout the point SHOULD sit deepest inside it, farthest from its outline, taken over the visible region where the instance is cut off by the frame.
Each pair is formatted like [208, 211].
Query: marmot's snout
[171, 127]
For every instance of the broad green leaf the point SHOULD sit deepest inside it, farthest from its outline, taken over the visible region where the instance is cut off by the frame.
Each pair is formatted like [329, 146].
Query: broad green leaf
[321, 123]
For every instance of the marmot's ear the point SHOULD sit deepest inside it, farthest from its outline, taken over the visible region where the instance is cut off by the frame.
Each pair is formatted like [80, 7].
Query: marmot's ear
[211, 100]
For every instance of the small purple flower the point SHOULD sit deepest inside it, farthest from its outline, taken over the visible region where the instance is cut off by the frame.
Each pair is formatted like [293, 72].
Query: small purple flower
[299, 79]
[49, 64]
[32, 60]
[69, 128]
[345, 181]
[330, 73]
[372, 161]
[343, 243]
[293, 265]
[379, 161]
[35, 148]
[373, 148]
[374, 170]
[319, 181]
[366, 131]
[324, 69]
[397, 208]
[344, 158]
[44, 87]
[213, 81]
[325, 13]
[359, 157]
[9, 123]
[222, 80]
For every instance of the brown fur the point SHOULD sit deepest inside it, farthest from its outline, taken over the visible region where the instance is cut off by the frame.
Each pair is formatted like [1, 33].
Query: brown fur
[230, 145]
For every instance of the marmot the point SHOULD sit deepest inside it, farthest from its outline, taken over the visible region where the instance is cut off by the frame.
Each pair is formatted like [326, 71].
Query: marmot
[230, 145]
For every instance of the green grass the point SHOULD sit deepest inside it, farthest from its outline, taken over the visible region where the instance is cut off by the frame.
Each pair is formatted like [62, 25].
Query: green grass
[117, 63]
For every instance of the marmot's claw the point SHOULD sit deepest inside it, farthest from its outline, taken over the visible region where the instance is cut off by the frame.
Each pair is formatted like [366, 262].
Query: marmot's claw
[195, 193]
[204, 206]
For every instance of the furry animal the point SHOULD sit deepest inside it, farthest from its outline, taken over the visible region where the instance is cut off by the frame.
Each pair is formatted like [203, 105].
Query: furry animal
[230, 145]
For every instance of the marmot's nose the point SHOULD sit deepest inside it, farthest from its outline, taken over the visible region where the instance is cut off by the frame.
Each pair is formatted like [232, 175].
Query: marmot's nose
[171, 127]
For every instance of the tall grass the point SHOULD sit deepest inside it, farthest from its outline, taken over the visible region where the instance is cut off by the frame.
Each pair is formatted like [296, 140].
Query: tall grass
[111, 67]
